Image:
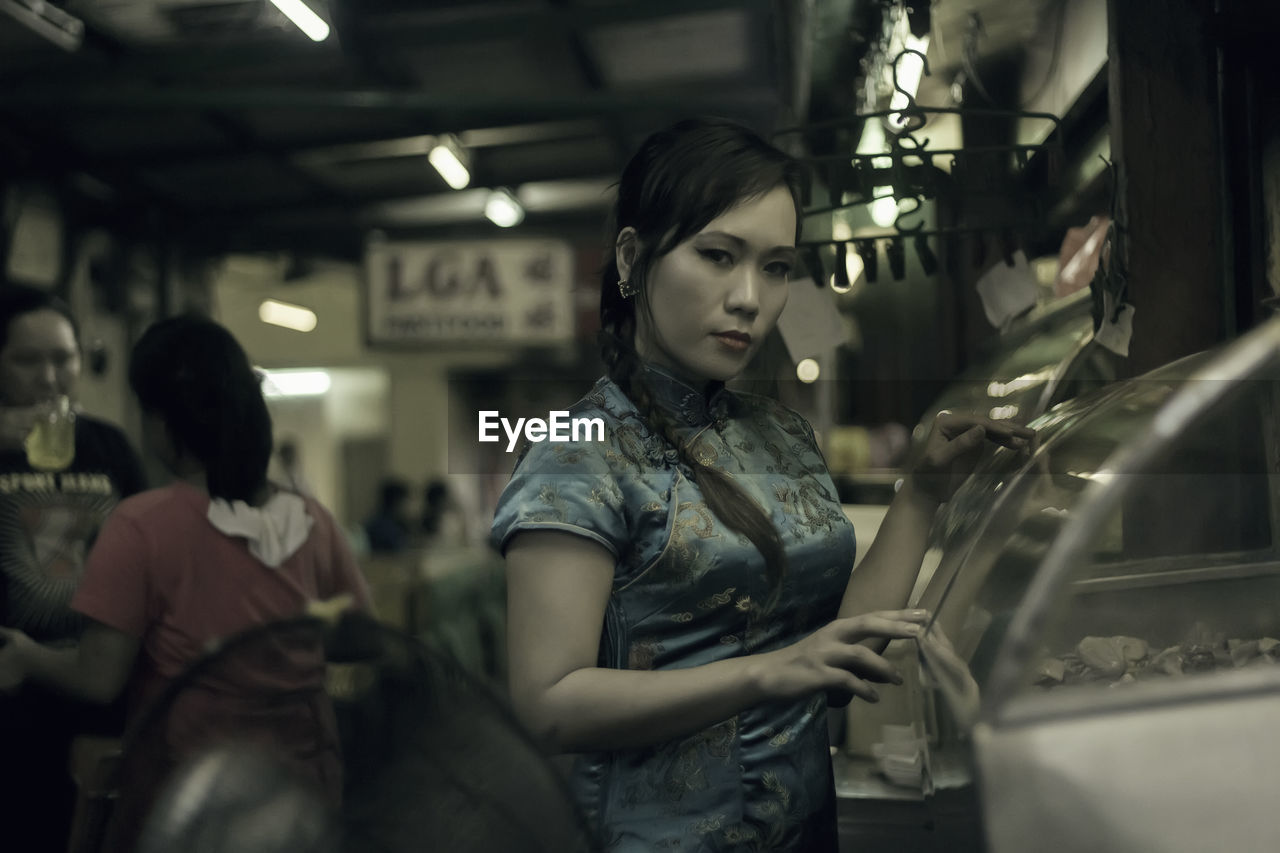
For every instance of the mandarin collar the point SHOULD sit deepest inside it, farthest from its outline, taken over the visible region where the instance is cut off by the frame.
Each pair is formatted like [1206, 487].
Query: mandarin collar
[689, 405]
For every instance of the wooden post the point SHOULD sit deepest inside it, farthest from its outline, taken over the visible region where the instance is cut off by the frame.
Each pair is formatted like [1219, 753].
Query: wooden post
[1164, 141]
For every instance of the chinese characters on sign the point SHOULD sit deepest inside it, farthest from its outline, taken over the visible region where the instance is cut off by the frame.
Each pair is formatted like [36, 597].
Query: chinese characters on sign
[514, 291]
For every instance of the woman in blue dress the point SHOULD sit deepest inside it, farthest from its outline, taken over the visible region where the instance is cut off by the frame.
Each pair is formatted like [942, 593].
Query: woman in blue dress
[680, 599]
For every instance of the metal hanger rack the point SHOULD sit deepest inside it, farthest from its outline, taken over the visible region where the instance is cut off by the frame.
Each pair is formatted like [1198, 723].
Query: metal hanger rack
[912, 169]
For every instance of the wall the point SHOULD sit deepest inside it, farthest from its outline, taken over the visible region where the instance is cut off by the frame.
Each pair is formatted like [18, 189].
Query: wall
[1054, 79]
[410, 404]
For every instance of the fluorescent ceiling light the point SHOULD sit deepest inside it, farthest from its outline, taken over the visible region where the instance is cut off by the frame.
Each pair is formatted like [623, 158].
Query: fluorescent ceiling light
[290, 316]
[303, 18]
[66, 31]
[447, 157]
[294, 383]
[503, 210]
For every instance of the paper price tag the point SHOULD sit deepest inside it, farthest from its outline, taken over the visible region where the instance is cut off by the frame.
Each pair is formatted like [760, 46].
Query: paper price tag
[1115, 336]
[1007, 291]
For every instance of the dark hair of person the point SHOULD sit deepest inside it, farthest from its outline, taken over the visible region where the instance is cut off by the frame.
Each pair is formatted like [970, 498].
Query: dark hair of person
[194, 375]
[434, 502]
[18, 299]
[676, 184]
[392, 492]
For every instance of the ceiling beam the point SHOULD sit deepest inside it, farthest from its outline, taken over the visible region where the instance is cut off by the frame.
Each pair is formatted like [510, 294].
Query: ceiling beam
[585, 193]
[365, 33]
[476, 110]
[250, 145]
[479, 24]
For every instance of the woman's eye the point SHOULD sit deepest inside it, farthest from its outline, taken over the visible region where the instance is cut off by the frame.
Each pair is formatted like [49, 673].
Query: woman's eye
[779, 268]
[716, 256]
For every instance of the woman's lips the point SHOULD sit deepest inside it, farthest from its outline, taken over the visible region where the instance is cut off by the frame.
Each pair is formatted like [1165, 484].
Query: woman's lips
[736, 341]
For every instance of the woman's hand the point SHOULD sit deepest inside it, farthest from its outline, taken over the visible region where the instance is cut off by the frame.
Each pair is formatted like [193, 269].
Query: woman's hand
[836, 659]
[955, 444]
[952, 674]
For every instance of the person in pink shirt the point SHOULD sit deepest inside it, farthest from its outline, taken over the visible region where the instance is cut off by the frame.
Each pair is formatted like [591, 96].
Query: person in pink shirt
[216, 552]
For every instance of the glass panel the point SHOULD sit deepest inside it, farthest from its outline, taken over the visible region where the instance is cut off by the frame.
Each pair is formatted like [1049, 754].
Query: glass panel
[1185, 567]
[1009, 382]
[1195, 584]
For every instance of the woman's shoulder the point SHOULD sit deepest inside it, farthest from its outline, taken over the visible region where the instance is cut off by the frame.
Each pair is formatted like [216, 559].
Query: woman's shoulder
[146, 506]
[767, 410]
[598, 430]
[605, 400]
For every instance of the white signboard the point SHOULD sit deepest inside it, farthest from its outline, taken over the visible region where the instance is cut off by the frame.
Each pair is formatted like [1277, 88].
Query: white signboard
[513, 291]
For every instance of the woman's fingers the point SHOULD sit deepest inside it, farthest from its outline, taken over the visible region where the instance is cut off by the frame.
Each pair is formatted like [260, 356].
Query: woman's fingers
[850, 684]
[865, 664]
[889, 624]
[1007, 433]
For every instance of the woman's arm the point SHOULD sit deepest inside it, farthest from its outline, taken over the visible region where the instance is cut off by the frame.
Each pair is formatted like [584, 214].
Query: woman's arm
[93, 671]
[558, 586]
[884, 578]
[886, 575]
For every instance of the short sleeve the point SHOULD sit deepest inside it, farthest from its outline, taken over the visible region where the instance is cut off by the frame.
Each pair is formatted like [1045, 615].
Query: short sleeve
[345, 575]
[568, 487]
[116, 587]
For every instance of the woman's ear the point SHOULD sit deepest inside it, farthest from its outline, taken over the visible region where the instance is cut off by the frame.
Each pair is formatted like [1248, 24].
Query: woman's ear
[624, 251]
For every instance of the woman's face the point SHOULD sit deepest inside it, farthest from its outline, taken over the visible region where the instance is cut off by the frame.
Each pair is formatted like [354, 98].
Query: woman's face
[40, 359]
[715, 296]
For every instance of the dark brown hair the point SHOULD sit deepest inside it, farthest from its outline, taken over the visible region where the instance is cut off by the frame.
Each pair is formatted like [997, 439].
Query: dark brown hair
[17, 300]
[196, 377]
[680, 179]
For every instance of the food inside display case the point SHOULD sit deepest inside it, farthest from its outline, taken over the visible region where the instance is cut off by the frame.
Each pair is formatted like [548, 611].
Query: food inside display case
[1124, 660]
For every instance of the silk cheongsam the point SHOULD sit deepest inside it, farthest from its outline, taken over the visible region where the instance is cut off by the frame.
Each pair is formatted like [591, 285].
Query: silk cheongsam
[688, 591]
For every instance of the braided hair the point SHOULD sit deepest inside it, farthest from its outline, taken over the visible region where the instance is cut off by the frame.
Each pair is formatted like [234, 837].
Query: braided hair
[679, 181]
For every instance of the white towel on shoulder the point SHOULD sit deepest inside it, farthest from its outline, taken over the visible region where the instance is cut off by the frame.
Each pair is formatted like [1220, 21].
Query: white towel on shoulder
[275, 530]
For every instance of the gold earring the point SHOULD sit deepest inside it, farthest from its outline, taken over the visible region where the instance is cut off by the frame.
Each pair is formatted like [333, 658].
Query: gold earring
[626, 289]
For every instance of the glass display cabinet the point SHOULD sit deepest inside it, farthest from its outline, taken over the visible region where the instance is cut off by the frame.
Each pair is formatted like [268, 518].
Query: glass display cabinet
[1103, 669]
[1046, 357]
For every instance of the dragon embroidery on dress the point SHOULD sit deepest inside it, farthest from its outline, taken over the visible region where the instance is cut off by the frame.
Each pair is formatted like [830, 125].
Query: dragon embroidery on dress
[606, 494]
[808, 506]
[631, 451]
[683, 559]
[557, 509]
[719, 599]
[643, 653]
[568, 454]
[676, 769]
